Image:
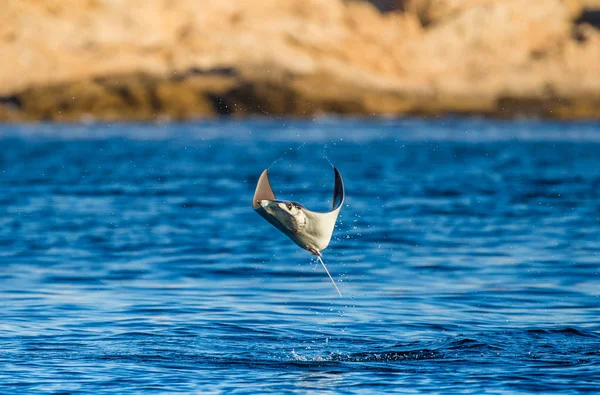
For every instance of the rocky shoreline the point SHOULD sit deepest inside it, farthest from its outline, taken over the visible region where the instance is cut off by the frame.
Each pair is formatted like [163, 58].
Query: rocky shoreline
[146, 60]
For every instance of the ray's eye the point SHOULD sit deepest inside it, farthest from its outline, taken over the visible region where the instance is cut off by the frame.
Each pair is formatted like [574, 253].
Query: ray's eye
[289, 206]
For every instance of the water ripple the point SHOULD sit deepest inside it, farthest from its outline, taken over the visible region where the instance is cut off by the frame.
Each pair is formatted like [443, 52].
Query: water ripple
[467, 252]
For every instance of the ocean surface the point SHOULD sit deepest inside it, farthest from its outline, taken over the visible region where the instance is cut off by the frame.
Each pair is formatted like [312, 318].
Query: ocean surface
[467, 253]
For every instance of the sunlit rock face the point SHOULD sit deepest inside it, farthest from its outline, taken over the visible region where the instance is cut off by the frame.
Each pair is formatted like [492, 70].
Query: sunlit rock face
[151, 59]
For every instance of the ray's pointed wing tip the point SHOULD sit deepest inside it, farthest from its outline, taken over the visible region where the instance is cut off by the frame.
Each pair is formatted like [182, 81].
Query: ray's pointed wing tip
[337, 174]
[263, 189]
[338, 190]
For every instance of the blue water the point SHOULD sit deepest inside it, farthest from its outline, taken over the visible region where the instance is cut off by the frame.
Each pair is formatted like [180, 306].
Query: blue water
[468, 253]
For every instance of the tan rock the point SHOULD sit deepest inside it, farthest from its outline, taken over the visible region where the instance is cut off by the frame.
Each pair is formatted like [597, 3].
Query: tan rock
[142, 59]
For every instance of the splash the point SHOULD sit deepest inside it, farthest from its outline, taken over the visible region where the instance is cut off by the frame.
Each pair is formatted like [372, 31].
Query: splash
[285, 153]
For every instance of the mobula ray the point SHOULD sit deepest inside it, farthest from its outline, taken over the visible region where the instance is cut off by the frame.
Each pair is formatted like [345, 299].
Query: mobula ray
[310, 230]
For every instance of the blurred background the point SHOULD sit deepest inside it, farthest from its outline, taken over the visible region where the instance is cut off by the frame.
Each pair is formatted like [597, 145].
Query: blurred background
[186, 59]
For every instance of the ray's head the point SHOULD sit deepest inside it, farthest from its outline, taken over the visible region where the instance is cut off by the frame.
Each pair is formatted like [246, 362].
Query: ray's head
[289, 215]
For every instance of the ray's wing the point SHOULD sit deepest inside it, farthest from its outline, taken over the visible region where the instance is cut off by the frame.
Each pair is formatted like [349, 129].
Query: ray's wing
[323, 224]
[263, 189]
[338, 191]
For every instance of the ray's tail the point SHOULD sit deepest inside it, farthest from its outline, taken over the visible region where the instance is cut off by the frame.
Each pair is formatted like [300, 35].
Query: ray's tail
[332, 281]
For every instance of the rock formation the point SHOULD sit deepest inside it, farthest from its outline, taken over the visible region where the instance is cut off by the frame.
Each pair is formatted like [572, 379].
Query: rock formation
[180, 59]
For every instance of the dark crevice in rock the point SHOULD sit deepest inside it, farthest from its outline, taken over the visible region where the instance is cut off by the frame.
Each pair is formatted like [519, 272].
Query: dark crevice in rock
[265, 99]
[125, 93]
[223, 71]
[589, 16]
[387, 5]
[588, 20]
[220, 104]
[155, 102]
[13, 102]
[579, 35]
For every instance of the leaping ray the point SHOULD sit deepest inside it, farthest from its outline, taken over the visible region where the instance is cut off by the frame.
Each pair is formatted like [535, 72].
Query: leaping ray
[308, 229]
